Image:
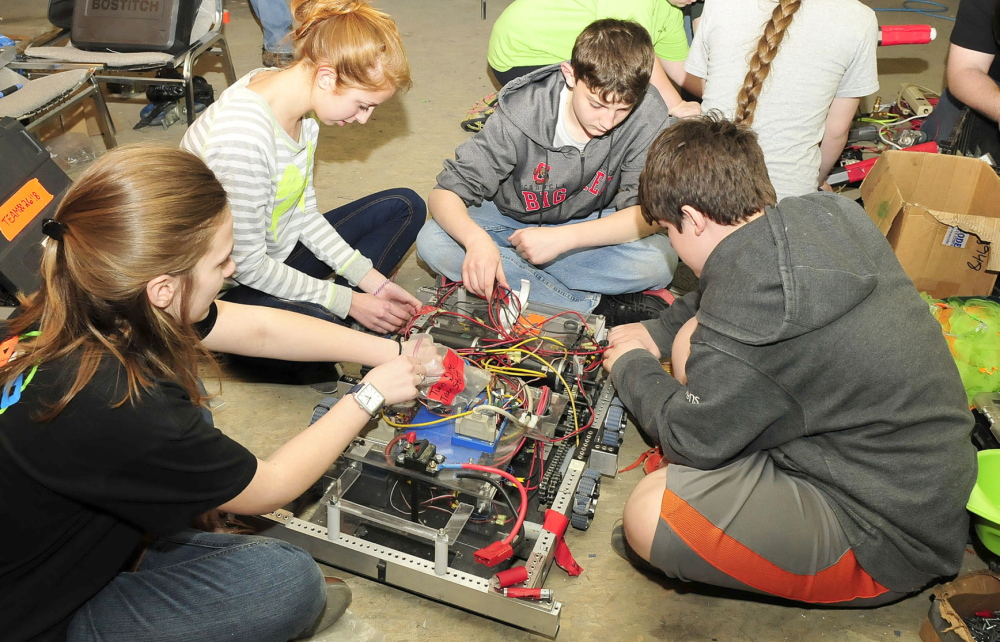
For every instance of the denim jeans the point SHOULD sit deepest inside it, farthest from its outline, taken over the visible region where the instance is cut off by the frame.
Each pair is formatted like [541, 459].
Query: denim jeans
[195, 586]
[381, 226]
[574, 280]
[276, 21]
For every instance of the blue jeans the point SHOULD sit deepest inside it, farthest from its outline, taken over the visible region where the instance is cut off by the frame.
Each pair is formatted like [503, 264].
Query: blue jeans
[196, 586]
[276, 21]
[381, 226]
[575, 280]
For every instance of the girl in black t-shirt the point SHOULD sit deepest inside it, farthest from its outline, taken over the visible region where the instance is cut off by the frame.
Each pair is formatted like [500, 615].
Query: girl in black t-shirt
[103, 438]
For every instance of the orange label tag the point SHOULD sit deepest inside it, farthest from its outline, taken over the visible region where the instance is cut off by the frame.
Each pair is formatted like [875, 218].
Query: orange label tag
[531, 323]
[21, 208]
[7, 350]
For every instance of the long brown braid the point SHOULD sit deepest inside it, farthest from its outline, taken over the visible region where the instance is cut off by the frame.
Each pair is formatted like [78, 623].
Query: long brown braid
[760, 63]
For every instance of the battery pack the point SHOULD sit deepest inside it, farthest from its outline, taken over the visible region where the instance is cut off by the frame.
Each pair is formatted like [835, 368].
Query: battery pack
[31, 187]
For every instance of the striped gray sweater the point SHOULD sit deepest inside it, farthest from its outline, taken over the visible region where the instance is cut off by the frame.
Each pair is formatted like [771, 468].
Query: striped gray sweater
[268, 178]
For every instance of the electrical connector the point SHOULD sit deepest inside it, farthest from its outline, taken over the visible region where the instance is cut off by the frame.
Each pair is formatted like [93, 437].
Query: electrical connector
[529, 420]
[529, 593]
[494, 554]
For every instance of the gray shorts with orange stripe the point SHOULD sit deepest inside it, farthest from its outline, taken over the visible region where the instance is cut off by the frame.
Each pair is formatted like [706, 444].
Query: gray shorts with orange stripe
[750, 526]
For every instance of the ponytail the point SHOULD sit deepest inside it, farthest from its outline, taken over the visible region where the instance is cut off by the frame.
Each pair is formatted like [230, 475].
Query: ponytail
[360, 43]
[760, 63]
[123, 222]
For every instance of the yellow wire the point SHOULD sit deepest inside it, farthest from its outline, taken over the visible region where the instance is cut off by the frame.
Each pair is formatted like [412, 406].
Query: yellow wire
[515, 371]
[569, 393]
[880, 121]
[386, 419]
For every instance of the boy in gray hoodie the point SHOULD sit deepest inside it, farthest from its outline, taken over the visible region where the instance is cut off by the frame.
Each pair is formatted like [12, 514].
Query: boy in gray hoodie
[548, 191]
[819, 438]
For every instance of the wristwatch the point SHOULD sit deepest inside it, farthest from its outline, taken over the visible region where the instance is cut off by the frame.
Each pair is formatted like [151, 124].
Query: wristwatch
[370, 399]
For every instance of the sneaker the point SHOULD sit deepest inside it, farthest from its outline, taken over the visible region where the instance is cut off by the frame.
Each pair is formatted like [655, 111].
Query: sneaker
[477, 116]
[662, 293]
[338, 598]
[619, 309]
[278, 59]
[621, 546]
[684, 280]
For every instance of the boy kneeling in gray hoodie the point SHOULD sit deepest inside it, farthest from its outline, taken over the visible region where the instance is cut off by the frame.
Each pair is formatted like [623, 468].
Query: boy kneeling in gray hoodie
[818, 445]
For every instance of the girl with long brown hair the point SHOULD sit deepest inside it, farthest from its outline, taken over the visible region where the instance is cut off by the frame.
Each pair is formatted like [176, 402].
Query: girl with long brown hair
[104, 439]
[260, 140]
[797, 81]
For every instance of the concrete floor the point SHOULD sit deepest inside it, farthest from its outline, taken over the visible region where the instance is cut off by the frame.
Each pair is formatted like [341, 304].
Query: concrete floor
[403, 145]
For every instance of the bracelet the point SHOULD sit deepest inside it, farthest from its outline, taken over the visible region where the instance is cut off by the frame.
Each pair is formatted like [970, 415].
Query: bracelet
[381, 287]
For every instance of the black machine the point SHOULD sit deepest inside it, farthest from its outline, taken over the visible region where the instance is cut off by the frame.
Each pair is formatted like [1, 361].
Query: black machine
[31, 188]
[466, 501]
[134, 25]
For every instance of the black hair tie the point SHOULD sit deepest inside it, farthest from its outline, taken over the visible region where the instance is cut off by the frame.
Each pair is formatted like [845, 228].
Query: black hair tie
[53, 229]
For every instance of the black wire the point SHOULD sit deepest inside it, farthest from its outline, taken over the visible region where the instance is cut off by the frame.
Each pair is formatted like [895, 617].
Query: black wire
[495, 484]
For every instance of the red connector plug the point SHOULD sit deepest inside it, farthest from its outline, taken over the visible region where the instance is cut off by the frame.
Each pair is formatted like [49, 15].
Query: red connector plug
[529, 593]
[494, 553]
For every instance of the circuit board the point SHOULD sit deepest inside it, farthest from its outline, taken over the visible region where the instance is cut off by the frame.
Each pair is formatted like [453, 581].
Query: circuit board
[443, 496]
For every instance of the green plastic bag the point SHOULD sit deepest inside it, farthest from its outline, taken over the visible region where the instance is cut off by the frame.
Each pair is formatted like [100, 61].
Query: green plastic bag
[971, 325]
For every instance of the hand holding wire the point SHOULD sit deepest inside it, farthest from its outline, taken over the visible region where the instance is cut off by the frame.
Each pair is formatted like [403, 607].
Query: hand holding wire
[482, 268]
[397, 380]
[636, 331]
[612, 354]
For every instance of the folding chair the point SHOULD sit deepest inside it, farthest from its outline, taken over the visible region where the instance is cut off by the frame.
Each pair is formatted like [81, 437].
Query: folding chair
[49, 96]
[112, 67]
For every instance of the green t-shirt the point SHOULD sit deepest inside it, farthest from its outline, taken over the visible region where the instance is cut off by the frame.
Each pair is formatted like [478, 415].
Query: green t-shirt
[542, 32]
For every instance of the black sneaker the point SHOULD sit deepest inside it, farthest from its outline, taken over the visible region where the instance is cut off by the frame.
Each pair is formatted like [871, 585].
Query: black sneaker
[619, 309]
[684, 280]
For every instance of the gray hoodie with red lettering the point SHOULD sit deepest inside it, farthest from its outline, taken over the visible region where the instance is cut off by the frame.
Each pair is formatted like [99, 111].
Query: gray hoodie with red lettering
[514, 163]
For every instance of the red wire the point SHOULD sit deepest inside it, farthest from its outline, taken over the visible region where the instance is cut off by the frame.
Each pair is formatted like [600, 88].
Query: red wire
[522, 510]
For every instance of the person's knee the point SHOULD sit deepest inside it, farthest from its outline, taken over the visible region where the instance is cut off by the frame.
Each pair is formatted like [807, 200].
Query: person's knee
[439, 251]
[413, 201]
[642, 512]
[302, 585]
[659, 263]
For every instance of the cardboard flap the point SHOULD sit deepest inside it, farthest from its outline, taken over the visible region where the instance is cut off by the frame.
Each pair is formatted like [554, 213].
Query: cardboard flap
[962, 597]
[986, 228]
[881, 195]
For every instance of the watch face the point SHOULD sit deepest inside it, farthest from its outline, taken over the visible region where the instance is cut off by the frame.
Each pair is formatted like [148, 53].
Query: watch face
[370, 399]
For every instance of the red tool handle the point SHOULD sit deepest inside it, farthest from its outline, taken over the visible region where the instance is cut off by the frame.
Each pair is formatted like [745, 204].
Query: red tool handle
[858, 171]
[906, 35]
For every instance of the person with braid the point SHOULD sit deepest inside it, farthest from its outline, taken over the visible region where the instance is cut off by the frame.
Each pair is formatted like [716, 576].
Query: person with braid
[260, 140]
[797, 82]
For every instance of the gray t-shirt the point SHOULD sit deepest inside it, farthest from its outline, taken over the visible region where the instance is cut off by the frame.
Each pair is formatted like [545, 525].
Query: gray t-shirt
[828, 52]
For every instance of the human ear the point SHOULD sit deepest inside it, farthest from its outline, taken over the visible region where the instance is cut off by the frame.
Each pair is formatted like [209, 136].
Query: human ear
[567, 71]
[326, 77]
[161, 290]
[697, 219]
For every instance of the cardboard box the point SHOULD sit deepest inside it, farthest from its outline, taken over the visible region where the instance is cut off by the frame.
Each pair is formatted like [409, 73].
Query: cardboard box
[961, 598]
[81, 118]
[941, 214]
